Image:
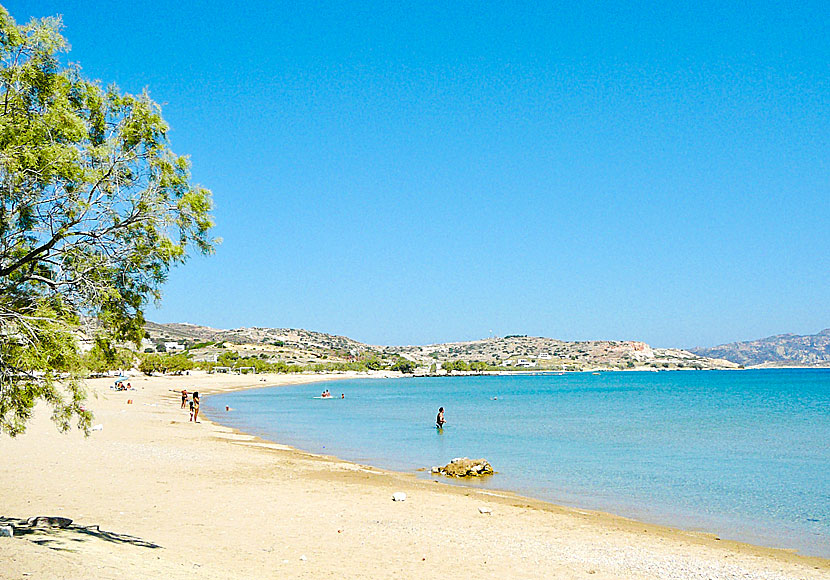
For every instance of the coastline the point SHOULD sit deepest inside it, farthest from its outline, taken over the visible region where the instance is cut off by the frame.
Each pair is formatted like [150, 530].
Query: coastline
[227, 504]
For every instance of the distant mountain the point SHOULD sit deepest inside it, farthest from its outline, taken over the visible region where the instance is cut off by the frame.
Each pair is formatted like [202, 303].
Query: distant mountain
[297, 346]
[779, 350]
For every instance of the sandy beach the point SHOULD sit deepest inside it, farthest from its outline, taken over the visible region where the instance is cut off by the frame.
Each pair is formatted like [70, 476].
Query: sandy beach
[153, 495]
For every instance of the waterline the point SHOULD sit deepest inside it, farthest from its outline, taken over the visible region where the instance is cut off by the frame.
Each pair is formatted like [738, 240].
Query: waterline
[743, 454]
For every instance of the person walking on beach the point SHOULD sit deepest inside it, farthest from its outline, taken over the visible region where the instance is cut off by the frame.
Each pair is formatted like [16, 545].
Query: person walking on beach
[439, 420]
[184, 397]
[196, 407]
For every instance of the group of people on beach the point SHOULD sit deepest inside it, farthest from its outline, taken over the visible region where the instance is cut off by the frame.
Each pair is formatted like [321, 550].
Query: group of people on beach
[194, 404]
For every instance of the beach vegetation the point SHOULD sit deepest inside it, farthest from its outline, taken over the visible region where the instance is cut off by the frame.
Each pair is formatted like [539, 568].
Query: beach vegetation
[457, 365]
[231, 358]
[161, 363]
[104, 356]
[373, 364]
[95, 208]
[404, 366]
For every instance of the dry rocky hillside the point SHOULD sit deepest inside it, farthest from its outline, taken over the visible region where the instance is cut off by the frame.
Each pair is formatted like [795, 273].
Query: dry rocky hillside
[779, 350]
[549, 354]
[295, 346]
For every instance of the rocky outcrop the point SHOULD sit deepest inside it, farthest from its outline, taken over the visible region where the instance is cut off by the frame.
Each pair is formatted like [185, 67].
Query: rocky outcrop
[465, 467]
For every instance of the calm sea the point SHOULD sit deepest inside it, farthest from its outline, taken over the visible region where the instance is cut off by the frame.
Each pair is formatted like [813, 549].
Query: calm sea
[745, 454]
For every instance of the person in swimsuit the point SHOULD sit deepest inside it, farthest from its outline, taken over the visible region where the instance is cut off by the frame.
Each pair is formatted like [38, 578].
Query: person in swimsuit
[439, 420]
[196, 407]
[184, 397]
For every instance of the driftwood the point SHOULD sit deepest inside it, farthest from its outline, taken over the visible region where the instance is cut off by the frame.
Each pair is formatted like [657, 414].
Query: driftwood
[48, 522]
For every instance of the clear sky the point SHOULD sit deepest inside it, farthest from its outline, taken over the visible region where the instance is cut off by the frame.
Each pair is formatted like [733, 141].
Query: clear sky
[415, 172]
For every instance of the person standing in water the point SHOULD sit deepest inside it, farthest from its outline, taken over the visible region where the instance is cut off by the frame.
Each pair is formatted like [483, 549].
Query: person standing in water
[439, 420]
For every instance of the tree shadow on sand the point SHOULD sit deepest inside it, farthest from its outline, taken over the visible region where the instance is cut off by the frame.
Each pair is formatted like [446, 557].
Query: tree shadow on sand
[57, 536]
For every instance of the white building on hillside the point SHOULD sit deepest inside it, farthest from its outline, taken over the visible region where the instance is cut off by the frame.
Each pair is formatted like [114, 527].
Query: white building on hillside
[173, 347]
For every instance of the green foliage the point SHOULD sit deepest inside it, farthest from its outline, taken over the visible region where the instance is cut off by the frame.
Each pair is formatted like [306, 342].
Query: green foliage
[35, 358]
[458, 365]
[374, 364]
[95, 209]
[161, 363]
[229, 359]
[404, 366]
[105, 357]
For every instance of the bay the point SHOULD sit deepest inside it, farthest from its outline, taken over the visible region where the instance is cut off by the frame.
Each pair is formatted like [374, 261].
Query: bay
[744, 454]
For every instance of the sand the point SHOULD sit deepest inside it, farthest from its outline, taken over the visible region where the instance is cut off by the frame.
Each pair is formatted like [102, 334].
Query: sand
[155, 496]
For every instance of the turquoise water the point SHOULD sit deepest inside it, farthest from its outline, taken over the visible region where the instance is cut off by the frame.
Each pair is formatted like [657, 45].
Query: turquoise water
[744, 454]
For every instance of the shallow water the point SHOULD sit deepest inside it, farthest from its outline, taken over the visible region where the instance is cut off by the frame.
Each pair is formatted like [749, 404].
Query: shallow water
[745, 454]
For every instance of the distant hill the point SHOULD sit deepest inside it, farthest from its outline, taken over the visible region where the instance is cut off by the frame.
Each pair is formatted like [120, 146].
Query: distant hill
[539, 353]
[779, 350]
[296, 346]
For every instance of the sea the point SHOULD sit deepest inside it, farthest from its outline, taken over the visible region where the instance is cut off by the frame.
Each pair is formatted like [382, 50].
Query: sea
[741, 454]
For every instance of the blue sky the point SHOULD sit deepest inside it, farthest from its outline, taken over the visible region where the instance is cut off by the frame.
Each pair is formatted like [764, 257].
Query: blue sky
[406, 173]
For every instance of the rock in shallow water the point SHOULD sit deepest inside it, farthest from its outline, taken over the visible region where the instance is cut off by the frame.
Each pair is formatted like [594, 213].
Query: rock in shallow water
[465, 467]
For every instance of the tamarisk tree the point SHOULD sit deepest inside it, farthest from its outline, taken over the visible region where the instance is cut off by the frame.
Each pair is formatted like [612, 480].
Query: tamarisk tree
[95, 209]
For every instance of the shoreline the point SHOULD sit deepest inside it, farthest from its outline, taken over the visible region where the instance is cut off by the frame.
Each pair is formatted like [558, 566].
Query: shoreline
[299, 514]
[644, 514]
